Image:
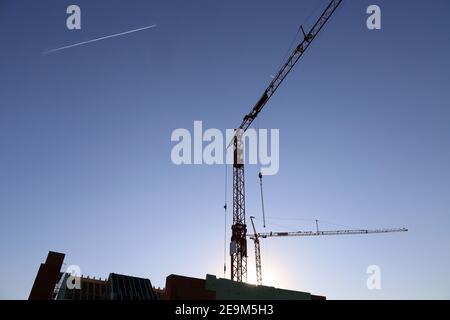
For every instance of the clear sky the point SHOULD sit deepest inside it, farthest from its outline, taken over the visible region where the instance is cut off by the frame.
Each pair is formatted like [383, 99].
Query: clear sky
[364, 123]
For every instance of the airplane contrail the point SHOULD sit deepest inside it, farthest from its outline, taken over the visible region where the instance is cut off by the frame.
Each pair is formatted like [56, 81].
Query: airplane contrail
[98, 39]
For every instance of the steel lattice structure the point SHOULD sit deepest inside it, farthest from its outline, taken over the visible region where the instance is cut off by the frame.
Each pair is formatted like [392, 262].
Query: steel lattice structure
[257, 235]
[238, 246]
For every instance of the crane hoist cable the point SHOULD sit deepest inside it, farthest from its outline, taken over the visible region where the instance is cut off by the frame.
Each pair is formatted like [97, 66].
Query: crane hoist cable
[262, 198]
[225, 225]
[260, 176]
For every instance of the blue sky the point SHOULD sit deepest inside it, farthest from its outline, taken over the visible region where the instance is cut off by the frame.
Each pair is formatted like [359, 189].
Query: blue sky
[364, 124]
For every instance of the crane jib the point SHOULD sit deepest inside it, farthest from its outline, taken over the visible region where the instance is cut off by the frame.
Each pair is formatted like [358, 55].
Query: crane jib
[290, 63]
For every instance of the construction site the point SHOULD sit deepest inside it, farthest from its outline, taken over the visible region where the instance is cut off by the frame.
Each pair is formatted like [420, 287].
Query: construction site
[245, 238]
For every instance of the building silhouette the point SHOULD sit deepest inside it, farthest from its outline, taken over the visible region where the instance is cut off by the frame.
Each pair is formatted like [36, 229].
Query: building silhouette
[53, 283]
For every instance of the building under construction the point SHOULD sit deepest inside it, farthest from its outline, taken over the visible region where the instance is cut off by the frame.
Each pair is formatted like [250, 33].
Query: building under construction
[52, 283]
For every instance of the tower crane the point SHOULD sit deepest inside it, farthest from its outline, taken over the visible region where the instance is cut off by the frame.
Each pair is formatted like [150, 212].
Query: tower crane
[238, 245]
[256, 237]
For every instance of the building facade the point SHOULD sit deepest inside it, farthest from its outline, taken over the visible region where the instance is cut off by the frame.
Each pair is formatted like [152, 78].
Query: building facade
[53, 283]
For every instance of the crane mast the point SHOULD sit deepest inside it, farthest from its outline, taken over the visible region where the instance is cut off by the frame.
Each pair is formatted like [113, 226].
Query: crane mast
[255, 238]
[238, 245]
